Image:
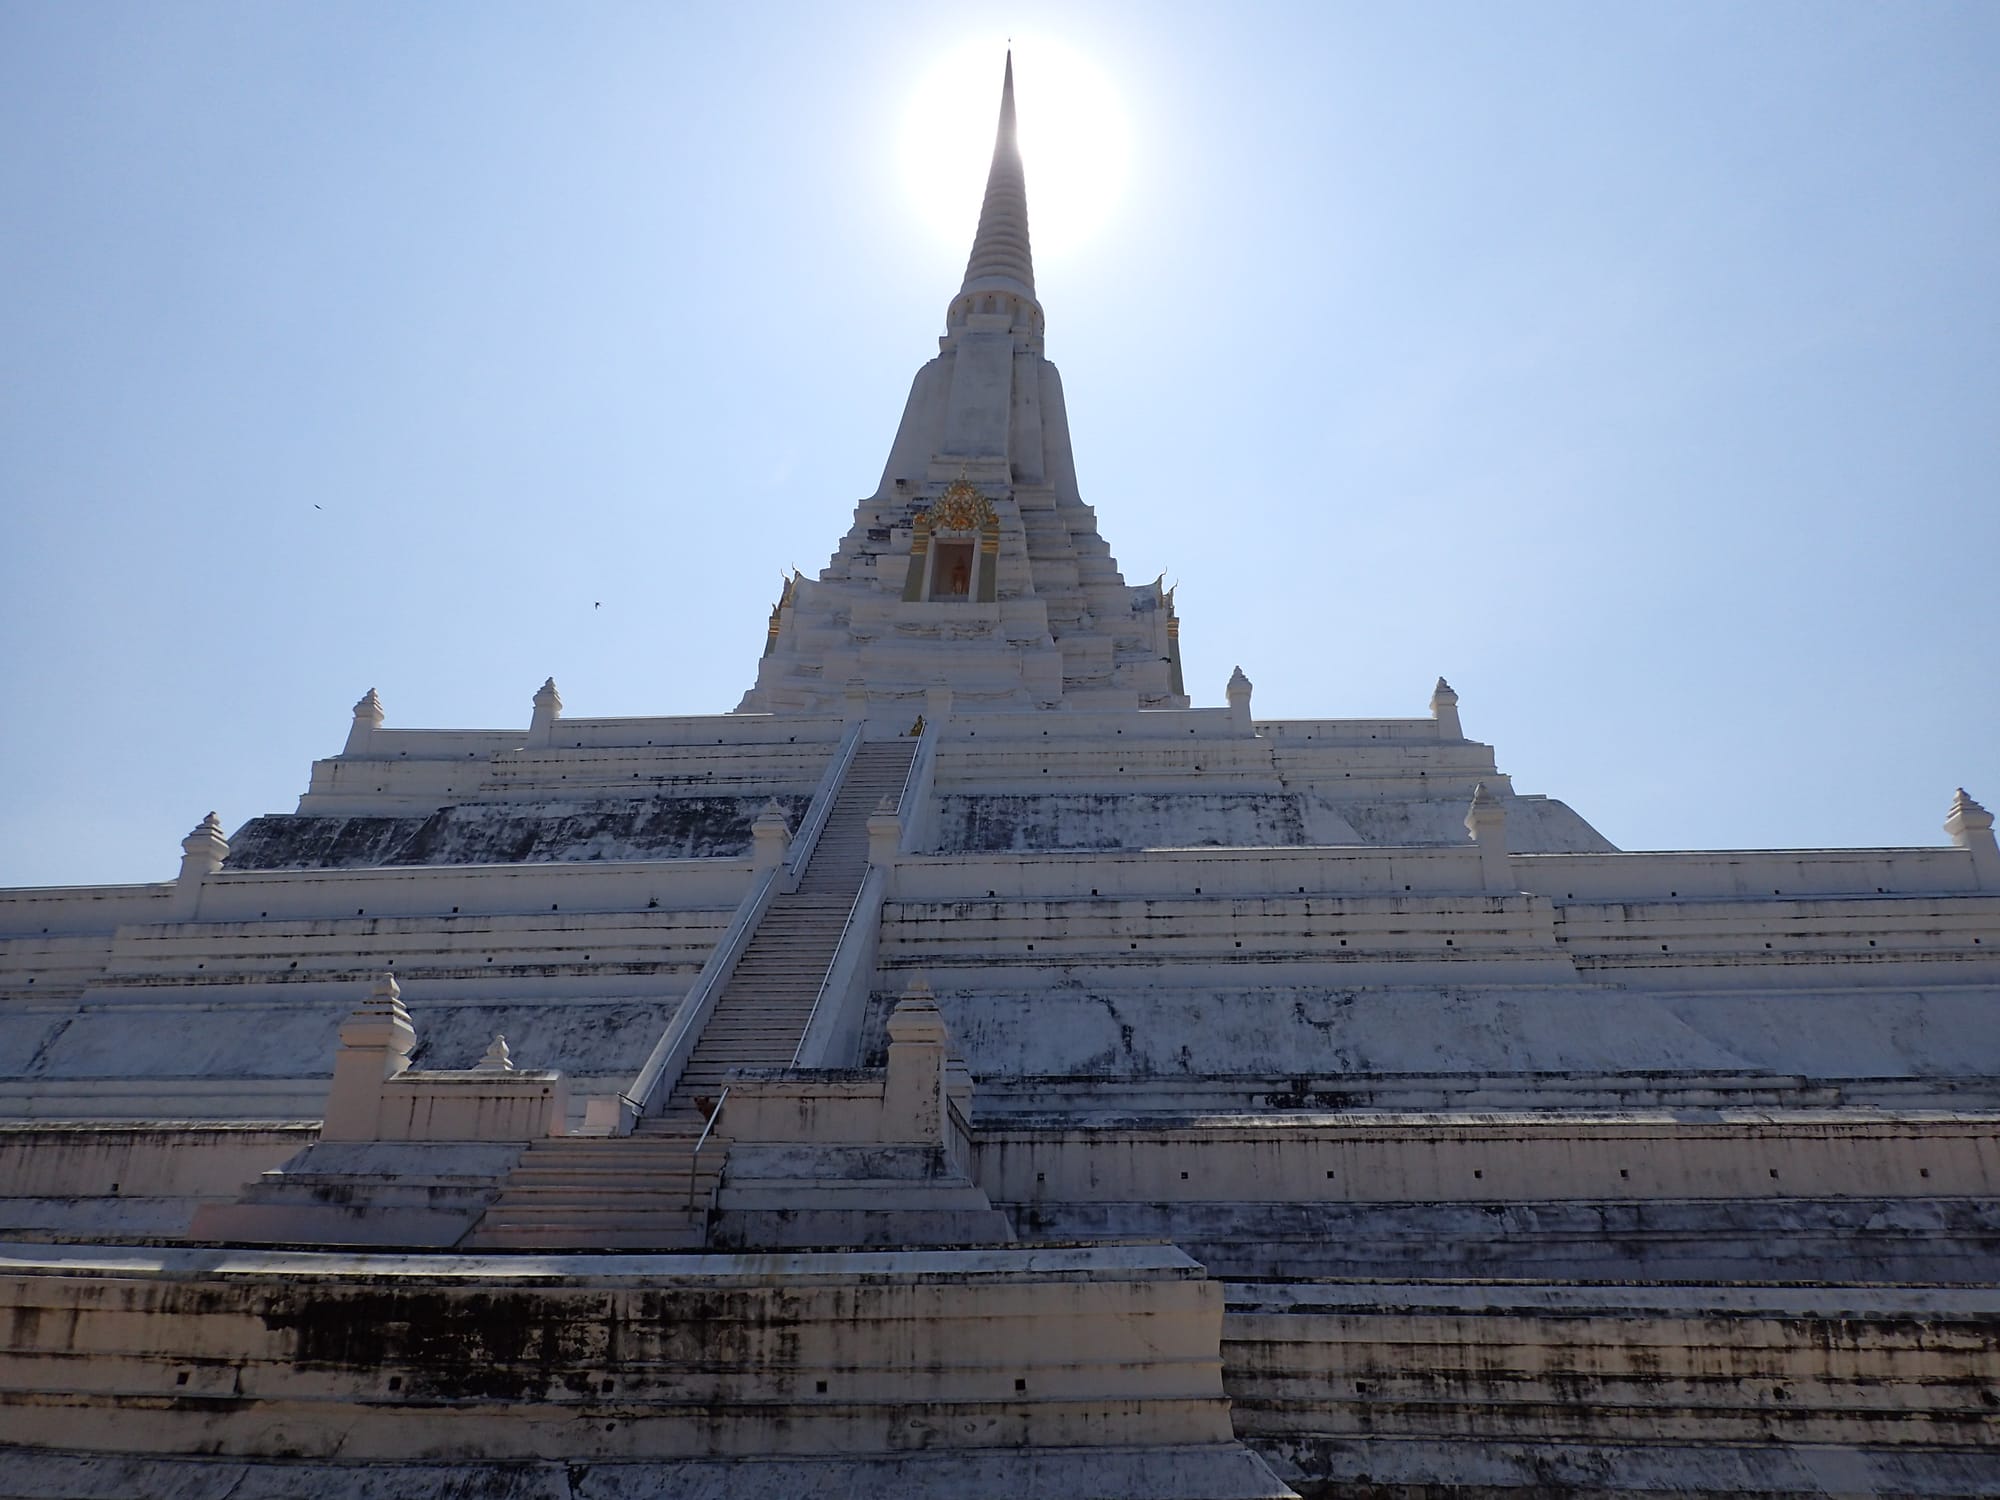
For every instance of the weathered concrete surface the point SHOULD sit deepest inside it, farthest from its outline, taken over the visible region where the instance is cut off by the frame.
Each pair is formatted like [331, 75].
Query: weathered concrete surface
[98, 1180]
[1212, 1471]
[1647, 1239]
[587, 1358]
[1388, 1468]
[1681, 1366]
[490, 833]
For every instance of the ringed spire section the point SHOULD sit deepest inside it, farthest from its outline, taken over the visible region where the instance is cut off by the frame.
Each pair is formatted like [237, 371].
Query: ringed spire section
[1002, 259]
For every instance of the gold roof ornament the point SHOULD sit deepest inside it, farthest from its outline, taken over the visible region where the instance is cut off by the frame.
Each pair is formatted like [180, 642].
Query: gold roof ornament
[961, 508]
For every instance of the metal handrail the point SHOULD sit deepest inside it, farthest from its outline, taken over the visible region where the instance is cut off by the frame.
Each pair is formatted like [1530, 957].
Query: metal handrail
[694, 1161]
[840, 943]
[824, 796]
[833, 961]
[692, 1013]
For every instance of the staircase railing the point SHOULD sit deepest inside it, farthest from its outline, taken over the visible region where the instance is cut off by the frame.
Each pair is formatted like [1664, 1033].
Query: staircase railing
[828, 1027]
[694, 1160]
[669, 1056]
[824, 796]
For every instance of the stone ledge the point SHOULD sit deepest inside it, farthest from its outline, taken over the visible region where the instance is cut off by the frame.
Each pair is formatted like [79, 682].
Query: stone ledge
[1208, 1471]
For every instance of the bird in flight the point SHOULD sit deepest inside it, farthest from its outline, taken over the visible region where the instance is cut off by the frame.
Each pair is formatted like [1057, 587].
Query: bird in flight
[598, 605]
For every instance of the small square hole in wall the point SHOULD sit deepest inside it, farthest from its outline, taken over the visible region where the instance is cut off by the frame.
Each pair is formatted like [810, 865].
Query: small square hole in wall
[1020, 1384]
[182, 1379]
[1041, 1177]
[1623, 1173]
[395, 1382]
[819, 1386]
[1184, 1177]
[607, 1384]
[1774, 1171]
[1329, 1174]
[1923, 1171]
[1477, 1173]
[1135, 945]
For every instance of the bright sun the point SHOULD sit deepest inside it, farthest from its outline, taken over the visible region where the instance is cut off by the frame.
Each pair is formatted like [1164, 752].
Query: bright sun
[1075, 141]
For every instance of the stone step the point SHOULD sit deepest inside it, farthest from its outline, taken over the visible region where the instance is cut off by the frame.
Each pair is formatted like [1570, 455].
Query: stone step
[558, 1197]
[525, 1238]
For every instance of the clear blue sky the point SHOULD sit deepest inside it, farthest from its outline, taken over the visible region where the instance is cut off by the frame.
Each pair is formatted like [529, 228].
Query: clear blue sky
[1637, 367]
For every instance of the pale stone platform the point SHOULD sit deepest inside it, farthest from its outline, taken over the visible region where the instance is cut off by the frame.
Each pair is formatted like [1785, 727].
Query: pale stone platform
[839, 1363]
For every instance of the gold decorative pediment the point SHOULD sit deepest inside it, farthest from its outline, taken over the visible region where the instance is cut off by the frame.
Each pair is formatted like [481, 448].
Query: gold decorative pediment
[961, 508]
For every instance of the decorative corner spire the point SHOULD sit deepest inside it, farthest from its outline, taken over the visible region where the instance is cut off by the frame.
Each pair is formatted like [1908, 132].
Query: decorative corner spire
[1002, 260]
[1444, 709]
[205, 848]
[1966, 816]
[498, 1058]
[1486, 821]
[548, 709]
[367, 719]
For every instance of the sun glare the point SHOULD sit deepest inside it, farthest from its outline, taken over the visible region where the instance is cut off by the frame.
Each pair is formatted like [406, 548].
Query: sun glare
[1075, 141]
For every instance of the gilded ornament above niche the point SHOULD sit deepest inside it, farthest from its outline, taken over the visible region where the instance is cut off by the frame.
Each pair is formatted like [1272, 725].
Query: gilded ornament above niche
[960, 508]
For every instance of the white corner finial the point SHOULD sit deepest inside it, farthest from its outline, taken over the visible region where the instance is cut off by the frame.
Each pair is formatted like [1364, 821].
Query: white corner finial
[1486, 821]
[205, 845]
[498, 1057]
[386, 987]
[367, 719]
[1444, 709]
[1971, 828]
[1966, 810]
[1238, 694]
[548, 708]
[1967, 819]
[202, 854]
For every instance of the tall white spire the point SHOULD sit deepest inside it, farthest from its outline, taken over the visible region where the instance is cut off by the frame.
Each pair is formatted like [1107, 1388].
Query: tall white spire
[1001, 258]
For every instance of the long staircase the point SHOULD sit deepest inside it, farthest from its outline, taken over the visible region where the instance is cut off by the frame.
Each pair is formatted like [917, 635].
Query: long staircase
[651, 1190]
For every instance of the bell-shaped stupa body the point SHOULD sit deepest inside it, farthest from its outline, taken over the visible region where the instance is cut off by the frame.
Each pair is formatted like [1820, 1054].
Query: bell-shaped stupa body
[976, 565]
